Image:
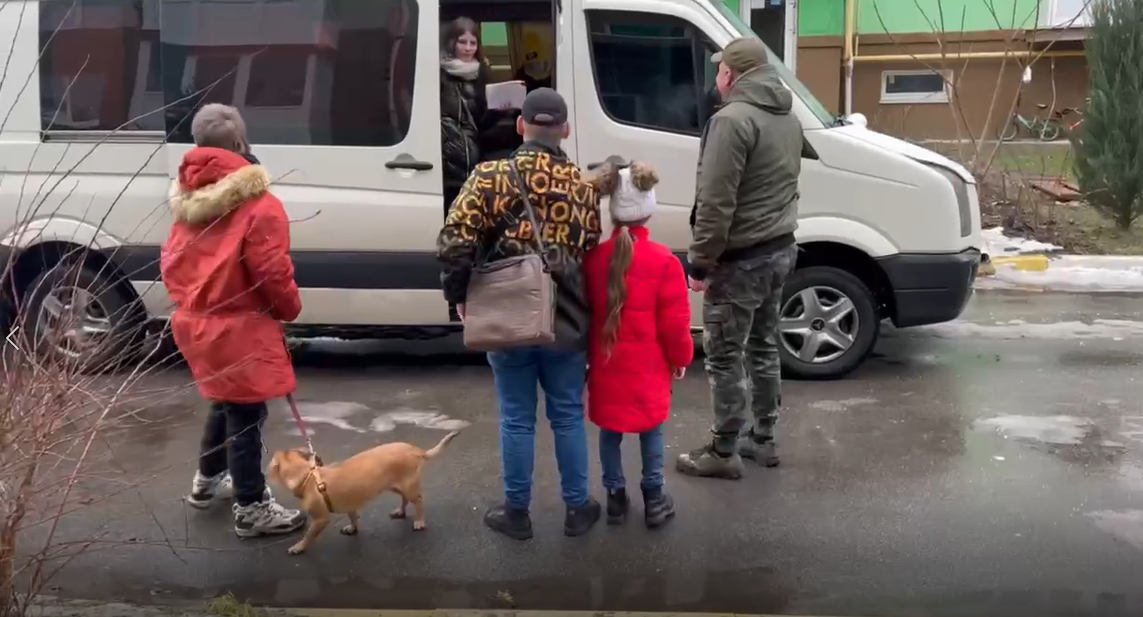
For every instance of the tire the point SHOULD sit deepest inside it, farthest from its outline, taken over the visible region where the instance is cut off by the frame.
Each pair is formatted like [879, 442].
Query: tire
[119, 325]
[863, 323]
[1011, 130]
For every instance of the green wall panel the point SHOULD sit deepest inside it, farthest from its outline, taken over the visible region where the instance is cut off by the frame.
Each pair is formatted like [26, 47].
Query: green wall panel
[901, 16]
[821, 17]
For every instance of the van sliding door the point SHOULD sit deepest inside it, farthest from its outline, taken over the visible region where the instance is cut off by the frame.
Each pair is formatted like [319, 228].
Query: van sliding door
[342, 104]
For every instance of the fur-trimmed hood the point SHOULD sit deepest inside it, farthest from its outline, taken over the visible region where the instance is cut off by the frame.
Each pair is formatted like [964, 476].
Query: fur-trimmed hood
[212, 182]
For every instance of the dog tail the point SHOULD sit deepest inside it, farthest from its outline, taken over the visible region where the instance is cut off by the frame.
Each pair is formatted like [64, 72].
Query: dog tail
[434, 451]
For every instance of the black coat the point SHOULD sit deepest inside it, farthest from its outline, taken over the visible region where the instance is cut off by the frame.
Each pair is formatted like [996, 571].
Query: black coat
[464, 115]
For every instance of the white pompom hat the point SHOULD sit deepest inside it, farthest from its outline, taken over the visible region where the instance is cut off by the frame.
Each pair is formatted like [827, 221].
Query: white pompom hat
[628, 203]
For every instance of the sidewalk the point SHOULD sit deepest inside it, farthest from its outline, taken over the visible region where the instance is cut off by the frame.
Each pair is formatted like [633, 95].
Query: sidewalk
[56, 607]
[1023, 264]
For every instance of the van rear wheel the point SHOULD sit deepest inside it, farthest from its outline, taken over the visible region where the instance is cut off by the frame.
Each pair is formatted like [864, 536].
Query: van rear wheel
[828, 323]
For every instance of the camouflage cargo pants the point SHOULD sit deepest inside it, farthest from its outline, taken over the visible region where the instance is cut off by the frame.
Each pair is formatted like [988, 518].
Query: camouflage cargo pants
[740, 314]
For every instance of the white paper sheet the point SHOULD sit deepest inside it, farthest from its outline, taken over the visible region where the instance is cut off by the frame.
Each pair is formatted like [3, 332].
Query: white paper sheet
[506, 94]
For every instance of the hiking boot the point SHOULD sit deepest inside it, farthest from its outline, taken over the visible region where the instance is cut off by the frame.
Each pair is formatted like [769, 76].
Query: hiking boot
[658, 507]
[579, 521]
[705, 462]
[617, 504]
[512, 522]
[205, 490]
[763, 452]
[266, 518]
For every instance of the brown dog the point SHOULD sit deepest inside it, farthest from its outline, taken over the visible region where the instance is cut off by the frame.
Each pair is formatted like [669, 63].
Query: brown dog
[347, 486]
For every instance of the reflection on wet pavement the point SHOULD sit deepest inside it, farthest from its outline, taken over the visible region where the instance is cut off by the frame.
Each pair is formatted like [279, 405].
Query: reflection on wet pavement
[968, 469]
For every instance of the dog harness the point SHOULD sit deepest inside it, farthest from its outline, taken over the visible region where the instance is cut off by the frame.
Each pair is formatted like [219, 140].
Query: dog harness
[320, 484]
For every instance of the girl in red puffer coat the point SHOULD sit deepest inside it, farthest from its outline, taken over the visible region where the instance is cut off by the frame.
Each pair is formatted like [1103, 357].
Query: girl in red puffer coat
[640, 339]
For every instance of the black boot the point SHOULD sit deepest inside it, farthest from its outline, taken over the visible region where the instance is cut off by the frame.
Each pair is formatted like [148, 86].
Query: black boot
[580, 520]
[512, 522]
[658, 507]
[617, 503]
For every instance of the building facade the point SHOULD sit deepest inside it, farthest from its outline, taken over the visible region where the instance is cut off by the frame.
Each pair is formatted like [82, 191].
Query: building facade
[933, 69]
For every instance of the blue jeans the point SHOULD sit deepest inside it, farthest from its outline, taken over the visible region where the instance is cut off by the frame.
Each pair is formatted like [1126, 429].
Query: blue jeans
[650, 450]
[561, 375]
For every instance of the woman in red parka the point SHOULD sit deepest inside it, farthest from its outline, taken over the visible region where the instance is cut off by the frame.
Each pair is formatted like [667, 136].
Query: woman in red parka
[226, 265]
[640, 339]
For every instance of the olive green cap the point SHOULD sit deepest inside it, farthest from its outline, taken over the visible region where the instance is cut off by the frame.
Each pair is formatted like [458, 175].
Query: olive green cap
[742, 54]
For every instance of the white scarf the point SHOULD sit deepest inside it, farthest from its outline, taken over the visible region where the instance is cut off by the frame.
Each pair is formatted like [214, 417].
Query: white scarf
[462, 69]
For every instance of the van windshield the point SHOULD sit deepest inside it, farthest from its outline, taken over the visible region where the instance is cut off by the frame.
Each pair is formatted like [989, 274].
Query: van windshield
[788, 77]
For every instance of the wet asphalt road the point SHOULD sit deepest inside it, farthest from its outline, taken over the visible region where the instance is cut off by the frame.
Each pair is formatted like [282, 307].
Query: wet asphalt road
[992, 466]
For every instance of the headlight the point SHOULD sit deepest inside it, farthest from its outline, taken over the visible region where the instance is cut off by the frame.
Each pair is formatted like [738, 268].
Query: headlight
[960, 188]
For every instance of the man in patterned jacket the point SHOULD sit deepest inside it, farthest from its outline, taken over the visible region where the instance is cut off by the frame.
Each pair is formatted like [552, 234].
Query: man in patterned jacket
[486, 219]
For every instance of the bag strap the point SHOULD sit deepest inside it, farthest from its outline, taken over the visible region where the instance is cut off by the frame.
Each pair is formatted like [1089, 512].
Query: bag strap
[526, 199]
[508, 219]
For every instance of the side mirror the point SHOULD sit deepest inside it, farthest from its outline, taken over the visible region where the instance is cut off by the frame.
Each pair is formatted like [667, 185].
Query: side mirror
[859, 119]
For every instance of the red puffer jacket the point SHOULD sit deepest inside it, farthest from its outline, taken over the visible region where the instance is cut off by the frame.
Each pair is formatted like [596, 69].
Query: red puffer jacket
[227, 267]
[630, 391]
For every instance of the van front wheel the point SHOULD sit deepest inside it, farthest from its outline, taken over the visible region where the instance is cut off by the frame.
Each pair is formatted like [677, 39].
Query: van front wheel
[828, 323]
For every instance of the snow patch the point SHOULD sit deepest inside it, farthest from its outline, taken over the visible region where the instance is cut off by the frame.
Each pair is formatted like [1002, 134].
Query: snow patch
[338, 413]
[996, 244]
[1074, 278]
[841, 405]
[422, 419]
[1054, 430]
[1126, 525]
[333, 413]
[1020, 329]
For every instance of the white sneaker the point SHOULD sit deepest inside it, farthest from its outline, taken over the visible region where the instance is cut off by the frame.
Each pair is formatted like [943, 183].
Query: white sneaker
[205, 490]
[265, 518]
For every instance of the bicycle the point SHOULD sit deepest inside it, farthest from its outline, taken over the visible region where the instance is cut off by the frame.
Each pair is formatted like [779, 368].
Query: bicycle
[1046, 129]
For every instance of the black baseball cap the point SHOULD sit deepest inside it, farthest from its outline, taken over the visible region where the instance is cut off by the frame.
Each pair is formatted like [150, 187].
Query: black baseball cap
[544, 107]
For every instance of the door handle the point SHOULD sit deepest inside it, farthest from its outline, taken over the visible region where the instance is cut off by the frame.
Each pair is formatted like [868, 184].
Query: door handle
[404, 161]
[614, 158]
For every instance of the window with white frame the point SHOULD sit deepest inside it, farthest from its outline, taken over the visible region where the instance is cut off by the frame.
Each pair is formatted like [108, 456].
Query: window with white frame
[911, 87]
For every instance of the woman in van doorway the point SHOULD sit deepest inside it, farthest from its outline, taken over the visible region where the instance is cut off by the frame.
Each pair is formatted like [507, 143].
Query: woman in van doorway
[464, 102]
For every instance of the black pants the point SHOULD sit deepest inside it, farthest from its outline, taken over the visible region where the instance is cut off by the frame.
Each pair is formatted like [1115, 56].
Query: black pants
[241, 425]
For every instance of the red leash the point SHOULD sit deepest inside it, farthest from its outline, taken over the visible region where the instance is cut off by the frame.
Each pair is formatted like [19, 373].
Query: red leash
[302, 427]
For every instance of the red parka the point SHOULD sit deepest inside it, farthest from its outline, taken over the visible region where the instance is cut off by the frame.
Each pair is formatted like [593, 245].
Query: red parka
[630, 391]
[226, 265]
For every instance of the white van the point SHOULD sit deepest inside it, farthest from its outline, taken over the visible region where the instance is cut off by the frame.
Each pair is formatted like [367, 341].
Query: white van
[342, 99]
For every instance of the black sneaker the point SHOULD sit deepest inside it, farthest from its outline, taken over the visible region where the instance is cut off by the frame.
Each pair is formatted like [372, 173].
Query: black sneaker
[658, 507]
[580, 520]
[705, 462]
[763, 452]
[512, 522]
[617, 503]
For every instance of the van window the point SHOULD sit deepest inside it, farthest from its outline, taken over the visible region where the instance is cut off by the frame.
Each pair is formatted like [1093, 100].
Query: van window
[313, 73]
[306, 72]
[92, 55]
[671, 58]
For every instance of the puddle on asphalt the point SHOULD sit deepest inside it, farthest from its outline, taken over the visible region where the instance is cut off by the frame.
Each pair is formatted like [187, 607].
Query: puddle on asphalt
[1126, 525]
[1072, 438]
[758, 590]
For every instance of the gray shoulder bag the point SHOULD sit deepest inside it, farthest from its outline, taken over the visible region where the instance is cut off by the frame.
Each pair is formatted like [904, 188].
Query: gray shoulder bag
[512, 301]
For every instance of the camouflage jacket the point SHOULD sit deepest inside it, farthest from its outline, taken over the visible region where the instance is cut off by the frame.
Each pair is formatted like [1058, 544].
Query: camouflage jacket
[567, 210]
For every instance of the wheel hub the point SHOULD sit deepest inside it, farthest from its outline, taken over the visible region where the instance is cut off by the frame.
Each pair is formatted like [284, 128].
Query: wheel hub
[818, 324]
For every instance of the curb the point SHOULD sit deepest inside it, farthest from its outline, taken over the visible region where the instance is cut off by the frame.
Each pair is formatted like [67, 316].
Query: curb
[1027, 263]
[476, 613]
